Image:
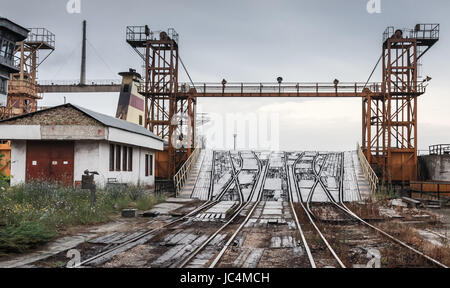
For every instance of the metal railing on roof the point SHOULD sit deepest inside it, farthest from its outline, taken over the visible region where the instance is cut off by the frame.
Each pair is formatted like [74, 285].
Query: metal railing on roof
[420, 31]
[143, 33]
[41, 35]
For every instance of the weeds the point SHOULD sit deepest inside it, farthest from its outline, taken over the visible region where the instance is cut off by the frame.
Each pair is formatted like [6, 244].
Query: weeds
[146, 202]
[33, 214]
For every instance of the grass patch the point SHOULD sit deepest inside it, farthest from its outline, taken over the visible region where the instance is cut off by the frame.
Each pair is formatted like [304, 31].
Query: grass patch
[146, 202]
[33, 214]
[25, 236]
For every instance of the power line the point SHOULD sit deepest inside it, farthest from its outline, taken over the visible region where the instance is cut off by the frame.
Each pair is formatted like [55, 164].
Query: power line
[184, 67]
[373, 71]
[100, 57]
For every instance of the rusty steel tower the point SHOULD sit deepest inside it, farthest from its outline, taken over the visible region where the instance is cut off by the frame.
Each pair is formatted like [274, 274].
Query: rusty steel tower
[389, 108]
[23, 91]
[167, 114]
[390, 119]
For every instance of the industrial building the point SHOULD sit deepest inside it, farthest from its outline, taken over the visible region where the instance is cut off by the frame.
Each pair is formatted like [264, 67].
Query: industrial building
[60, 143]
[367, 206]
[10, 33]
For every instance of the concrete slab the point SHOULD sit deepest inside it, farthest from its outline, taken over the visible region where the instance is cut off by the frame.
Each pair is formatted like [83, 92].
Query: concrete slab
[163, 209]
[179, 200]
[273, 184]
[56, 247]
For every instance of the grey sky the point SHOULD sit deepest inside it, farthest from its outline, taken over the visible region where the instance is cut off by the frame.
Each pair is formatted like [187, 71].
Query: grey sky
[303, 41]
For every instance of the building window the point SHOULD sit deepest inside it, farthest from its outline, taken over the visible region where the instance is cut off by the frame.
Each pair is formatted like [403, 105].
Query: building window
[148, 165]
[151, 165]
[118, 157]
[10, 50]
[126, 88]
[3, 86]
[140, 120]
[3, 48]
[111, 157]
[130, 159]
[125, 159]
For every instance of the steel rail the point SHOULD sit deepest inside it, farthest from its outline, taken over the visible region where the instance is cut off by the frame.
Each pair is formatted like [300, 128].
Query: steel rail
[195, 211]
[398, 241]
[247, 218]
[235, 214]
[291, 202]
[325, 188]
[238, 187]
[205, 205]
[309, 214]
[344, 208]
[316, 182]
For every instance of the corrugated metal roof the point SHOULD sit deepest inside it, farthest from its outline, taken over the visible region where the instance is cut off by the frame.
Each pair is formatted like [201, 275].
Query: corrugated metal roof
[102, 118]
[117, 123]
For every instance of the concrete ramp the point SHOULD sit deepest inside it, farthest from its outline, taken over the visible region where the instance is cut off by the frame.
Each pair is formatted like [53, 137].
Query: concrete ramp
[356, 185]
[189, 186]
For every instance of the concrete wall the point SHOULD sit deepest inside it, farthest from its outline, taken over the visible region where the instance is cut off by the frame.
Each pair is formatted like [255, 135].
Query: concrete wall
[121, 136]
[18, 161]
[89, 155]
[436, 168]
[95, 156]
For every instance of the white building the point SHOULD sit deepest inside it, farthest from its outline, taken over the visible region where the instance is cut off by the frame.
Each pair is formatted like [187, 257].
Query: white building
[60, 143]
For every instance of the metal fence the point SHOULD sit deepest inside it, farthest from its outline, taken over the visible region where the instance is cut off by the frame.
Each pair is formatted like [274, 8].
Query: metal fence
[368, 171]
[441, 149]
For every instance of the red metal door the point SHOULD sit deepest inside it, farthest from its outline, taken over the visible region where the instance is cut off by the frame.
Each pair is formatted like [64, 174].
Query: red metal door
[50, 161]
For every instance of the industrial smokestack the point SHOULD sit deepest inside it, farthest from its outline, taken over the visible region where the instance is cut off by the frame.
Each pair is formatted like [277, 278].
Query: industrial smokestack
[83, 57]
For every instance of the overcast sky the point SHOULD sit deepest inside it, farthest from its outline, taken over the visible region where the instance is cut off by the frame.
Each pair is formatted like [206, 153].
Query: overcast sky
[252, 41]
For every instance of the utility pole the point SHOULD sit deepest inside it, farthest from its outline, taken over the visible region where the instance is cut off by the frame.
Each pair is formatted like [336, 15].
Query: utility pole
[83, 57]
[234, 135]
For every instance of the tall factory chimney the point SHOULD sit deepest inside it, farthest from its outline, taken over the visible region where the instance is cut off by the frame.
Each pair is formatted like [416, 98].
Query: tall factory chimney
[83, 57]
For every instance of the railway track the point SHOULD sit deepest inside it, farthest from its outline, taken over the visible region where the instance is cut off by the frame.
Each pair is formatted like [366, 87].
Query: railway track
[183, 263]
[307, 221]
[263, 173]
[129, 244]
[251, 213]
[341, 209]
[294, 188]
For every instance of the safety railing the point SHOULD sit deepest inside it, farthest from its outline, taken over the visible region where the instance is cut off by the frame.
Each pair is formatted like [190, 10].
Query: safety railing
[280, 88]
[420, 31]
[103, 82]
[442, 149]
[41, 35]
[180, 178]
[143, 33]
[368, 171]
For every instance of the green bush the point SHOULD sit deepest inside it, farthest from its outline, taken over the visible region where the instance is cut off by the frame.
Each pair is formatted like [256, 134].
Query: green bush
[31, 214]
[25, 236]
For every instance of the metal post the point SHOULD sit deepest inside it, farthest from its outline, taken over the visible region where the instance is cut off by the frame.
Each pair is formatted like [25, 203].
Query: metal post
[83, 57]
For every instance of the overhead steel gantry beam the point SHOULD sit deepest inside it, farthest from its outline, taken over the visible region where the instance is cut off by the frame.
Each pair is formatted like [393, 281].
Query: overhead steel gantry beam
[325, 90]
[91, 86]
